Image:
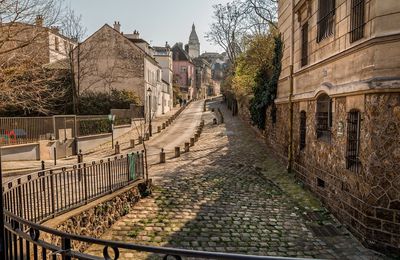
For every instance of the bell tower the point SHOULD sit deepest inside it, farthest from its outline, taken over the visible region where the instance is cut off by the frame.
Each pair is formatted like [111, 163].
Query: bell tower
[194, 43]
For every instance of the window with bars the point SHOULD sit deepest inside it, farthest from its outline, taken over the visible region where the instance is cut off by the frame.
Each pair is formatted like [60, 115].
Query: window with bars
[303, 129]
[324, 117]
[304, 44]
[326, 19]
[353, 162]
[357, 20]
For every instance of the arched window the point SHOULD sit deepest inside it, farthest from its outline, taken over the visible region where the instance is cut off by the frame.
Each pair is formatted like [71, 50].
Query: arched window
[353, 162]
[303, 129]
[324, 117]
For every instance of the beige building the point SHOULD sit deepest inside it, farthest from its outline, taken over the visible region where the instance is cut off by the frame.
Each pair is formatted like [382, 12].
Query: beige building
[33, 43]
[108, 59]
[337, 114]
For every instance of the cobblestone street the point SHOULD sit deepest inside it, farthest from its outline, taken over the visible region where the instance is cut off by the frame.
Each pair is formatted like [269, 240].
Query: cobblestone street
[229, 194]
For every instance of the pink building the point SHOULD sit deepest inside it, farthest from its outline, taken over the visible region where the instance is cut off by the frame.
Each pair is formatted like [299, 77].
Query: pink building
[183, 71]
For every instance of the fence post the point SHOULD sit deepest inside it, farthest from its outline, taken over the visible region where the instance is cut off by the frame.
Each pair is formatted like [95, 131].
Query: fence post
[85, 182]
[52, 193]
[65, 247]
[55, 155]
[192, 141]
[19, 198]
[109, 174]
[163, 125]
[128, 166]
[3, 248]
[80, 159]
[187, 147]
[158, 129]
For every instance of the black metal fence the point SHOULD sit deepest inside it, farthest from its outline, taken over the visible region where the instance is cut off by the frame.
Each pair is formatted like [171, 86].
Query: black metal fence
[45, 194]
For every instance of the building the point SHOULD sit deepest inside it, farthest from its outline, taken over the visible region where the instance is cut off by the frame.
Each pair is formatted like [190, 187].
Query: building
[25, 43]
[108, 59]
[337, 114]
[184, 71]
[163, 56]
[203, 81]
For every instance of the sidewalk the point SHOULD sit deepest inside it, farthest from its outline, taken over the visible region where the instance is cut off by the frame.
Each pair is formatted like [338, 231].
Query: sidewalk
[17, 168]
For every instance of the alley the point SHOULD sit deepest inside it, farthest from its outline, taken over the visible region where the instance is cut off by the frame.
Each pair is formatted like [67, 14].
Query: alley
[229, 194]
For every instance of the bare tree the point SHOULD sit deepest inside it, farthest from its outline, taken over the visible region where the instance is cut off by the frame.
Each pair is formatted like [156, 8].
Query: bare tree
[229, 27]
[13, 13]
[72, 28]
[266, 10]
[236, 22]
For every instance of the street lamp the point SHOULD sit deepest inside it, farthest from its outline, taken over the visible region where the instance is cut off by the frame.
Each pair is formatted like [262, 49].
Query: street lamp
[149, 93]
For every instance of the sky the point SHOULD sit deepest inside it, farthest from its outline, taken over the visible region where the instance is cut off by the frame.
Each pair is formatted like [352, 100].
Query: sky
[157, 21]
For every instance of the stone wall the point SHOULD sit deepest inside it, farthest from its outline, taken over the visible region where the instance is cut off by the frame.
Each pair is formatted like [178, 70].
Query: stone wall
[277, 134]
[95, 218]
[368, 201]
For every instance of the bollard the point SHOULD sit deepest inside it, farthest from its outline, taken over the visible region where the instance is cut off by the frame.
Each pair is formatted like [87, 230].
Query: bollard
[140, 139]
[177, 151]
[162, 156]
[132, 143]
[187, 147]
[80, 156]
[215, 121]
[55, 155]
[117, 148]
[192, 141]
[167, 123]
[196, 137]
[146, 136]
[163, 126]
[158, 129]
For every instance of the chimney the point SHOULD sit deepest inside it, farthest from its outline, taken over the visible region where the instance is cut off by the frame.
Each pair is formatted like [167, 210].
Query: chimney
[117, 26]
[39, 21]
[55, 29]
[136, 34]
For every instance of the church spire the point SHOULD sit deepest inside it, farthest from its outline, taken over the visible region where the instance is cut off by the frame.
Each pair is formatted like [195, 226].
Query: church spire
[194, 43]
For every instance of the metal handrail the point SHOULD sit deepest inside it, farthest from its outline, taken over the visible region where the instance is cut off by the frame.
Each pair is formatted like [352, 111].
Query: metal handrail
[35, 229]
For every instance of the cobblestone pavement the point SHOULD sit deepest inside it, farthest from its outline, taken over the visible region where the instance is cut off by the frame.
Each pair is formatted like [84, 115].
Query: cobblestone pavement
[229, 194]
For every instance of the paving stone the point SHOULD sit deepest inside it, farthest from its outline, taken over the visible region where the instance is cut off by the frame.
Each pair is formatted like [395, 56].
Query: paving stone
[230, 194]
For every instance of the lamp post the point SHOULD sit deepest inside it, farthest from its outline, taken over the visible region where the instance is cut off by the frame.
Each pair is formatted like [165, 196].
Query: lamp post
[150, 127]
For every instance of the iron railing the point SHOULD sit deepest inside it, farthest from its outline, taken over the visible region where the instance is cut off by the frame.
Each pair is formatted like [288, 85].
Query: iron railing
[29, 244]
[42, 195]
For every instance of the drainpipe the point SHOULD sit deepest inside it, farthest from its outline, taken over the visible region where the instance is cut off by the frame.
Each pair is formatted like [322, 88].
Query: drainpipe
[291, 146]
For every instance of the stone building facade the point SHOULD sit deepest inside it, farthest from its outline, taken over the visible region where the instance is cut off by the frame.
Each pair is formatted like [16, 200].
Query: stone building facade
[184, 71]
[336, 119]
[23, 43]
[108, 59]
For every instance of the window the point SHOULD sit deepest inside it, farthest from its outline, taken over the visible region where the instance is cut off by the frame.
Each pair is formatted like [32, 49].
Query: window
[326, 15]
[304, 44]
[183, 69]
[56, 43]
[303, 129]
[353, 162]
[324, 117]
[357, 20]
